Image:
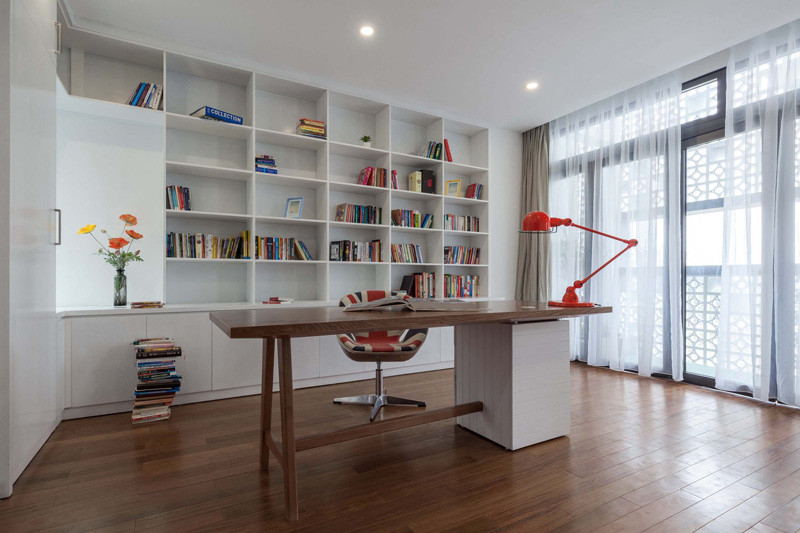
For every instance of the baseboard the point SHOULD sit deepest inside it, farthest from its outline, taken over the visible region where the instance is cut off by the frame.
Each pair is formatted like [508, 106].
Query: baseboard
[207, 396]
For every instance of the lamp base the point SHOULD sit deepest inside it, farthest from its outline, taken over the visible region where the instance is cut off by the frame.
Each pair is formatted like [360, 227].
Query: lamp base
[554, 303]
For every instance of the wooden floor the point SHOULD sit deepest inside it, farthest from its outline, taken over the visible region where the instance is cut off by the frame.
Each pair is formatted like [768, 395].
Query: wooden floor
[644, 454]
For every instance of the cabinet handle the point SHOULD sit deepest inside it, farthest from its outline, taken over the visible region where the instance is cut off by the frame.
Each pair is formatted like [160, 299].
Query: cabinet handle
[58, 50]
[58, 212]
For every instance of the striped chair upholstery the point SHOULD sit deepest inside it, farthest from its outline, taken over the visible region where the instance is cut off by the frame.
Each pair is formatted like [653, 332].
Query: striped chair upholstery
[372, 346]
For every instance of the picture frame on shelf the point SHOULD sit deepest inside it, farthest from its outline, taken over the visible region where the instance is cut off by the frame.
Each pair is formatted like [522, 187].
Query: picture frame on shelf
[452, 188]
[294, 207]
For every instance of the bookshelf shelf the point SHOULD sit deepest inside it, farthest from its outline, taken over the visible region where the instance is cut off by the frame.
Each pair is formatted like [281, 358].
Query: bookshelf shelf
[215, 160]
[207, 127]
[206, 215]
[457, 200]
[207, 171]
[354, 150]
[289, 140]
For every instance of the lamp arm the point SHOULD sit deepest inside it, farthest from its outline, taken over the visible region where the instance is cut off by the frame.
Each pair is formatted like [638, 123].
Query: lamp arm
[630, 244]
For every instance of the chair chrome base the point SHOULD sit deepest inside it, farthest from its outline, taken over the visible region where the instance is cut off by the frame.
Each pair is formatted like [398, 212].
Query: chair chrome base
[379, 399]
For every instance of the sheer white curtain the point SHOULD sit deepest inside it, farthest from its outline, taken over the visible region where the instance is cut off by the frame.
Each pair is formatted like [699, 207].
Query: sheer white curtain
[759, 341]
[615, 166]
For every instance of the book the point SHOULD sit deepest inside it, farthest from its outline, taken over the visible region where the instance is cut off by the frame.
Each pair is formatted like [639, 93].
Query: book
[428, 181]
[412, 304]
[212, 113]
[415, 181]
[447, 151]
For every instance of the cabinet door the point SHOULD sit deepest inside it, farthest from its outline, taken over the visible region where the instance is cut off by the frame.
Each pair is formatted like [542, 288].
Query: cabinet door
[103, 361]
[192, 332]
[235, 362]
[43, 14]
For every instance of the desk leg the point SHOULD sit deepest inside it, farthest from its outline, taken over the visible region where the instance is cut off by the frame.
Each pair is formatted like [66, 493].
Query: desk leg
[267, 371]
[287, 428]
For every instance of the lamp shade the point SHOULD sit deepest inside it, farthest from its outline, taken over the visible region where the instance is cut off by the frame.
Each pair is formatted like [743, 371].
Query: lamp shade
[536, 221]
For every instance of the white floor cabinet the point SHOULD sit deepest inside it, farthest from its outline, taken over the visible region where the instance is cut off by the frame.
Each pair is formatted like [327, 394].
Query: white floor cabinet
[100, 365]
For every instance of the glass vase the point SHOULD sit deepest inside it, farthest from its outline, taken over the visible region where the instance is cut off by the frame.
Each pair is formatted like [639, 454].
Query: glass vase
[120, 288]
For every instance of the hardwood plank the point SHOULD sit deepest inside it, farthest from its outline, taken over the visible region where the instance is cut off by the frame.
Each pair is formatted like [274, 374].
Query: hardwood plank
[200, 470]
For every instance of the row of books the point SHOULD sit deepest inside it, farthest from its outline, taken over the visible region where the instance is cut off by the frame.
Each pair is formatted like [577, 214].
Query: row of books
[311, 128]
[474, 190]
[423, 180]
[212, 113]
[178, 198]
[409, 218]
[359, 214]
[146, 95]
[407, 253]
[461, 222]
[376, 177]
[434, 150]
[461, 286]
[204, 246]
[419, 285]
[462, 255]
[352, 251]
[157, 379]
[282, 249]
[266, 164]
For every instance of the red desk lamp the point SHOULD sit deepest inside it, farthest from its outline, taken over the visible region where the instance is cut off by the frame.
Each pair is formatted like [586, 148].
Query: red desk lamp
[540, 222]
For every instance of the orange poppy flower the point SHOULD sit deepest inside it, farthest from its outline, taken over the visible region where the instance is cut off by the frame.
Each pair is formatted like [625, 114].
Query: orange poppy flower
[130, 220]
[117, 243]
[87, 229]
[133, 235]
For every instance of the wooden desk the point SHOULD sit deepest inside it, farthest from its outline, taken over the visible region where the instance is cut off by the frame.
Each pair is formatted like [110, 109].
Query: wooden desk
[281, 325]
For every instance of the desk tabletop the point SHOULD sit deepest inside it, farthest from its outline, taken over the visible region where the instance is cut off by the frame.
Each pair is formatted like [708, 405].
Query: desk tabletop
[316, 321]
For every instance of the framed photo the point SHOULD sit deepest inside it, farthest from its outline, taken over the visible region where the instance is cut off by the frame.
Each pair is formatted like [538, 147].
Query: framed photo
[294, 208]
[452, 188]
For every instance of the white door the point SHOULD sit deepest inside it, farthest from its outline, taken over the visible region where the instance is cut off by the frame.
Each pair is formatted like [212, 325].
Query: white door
[35, 372]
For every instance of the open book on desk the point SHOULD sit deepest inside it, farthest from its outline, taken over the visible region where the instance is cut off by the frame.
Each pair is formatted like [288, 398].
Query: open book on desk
[393, 303]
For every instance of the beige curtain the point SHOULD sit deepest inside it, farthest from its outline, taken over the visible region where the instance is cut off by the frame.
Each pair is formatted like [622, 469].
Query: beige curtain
[533, 260]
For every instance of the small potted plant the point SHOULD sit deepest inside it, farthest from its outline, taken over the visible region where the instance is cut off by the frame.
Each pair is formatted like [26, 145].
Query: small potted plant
[366, 141]
[116, 255]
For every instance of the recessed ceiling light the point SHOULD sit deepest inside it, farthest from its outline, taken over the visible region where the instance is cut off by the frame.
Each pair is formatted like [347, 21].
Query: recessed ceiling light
[367, 30]
[531, 85]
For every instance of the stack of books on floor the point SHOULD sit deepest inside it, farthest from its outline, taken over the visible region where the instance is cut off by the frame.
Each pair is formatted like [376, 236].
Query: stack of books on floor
[461, 222]
[419, 285]
[456, 286]
[212, 113]
[311, 128]
[474, 190]
[266, 164]
[373, 176]
[147, 305]
[358, 252]
[157, 379]
[204, 246]
[462, 255]
[281, 249]
[408, 218]
[178, 198]
[406, 253]
[146, 95]
[359, 214]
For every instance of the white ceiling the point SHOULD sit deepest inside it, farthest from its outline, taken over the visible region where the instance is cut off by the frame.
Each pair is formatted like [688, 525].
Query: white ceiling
[463, 58]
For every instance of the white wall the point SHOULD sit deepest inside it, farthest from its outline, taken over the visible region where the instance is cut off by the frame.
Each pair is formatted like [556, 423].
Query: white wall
[107, 167]
[505, 178]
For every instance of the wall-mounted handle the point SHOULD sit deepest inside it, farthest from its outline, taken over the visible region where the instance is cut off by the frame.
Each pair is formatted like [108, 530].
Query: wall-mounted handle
[58, 212]
[58, 30]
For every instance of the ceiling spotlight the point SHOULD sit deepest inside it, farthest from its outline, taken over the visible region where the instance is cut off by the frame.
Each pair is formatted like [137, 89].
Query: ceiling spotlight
[367, 31]
[531, 85]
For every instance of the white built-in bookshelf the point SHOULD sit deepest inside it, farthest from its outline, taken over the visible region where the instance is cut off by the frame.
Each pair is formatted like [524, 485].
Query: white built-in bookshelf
[215, 160]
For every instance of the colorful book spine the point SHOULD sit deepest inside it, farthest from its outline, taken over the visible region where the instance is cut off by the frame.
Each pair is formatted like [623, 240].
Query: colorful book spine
[213, 113]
